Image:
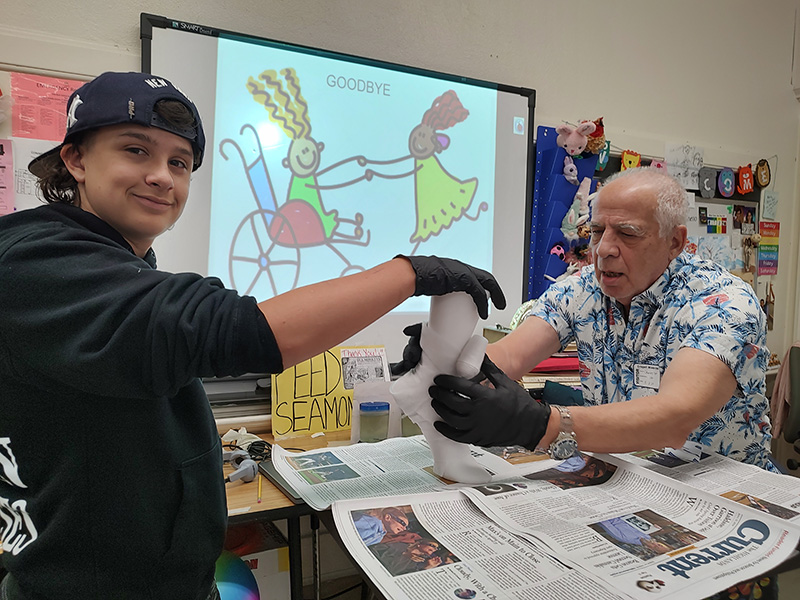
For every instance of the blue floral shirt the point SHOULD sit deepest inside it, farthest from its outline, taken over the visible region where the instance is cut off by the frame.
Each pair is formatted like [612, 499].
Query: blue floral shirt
[694, 304]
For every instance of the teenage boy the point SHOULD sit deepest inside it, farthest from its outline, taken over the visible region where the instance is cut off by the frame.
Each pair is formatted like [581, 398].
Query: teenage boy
[110, 463]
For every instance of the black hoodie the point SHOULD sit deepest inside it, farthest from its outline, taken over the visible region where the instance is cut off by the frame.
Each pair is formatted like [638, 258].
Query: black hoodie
[110, 464]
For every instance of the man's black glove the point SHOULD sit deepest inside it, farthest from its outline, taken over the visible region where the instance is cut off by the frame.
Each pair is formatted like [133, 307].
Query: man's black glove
[412, 353]
[472, 413]
[438, 276]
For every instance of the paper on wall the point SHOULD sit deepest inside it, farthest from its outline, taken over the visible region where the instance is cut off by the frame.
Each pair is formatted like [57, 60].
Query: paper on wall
[769, 205]
[6, 178]
[25, 150]
[684, 163]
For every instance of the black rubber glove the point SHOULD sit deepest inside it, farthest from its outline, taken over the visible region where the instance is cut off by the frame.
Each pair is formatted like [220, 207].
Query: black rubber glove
[412, 353]
[438, 276]
[472, 413]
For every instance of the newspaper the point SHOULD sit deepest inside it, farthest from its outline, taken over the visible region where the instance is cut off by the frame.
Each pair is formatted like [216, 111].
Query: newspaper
[391, 467]
[722, 476]
[597, 526]
[450, 549]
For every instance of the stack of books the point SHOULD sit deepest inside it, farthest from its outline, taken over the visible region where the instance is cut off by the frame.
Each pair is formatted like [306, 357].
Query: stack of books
[561, 367]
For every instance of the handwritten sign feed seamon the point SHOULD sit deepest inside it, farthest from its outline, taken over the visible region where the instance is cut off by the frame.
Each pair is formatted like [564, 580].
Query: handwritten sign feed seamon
[317, 394]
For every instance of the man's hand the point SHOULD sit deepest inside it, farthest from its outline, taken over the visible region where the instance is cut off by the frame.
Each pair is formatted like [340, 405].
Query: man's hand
[438, 276]
[412, 353]
[504, 415]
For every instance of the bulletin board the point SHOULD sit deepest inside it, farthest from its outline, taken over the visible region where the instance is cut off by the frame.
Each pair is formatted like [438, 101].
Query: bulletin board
[32, 121]
[718, 228]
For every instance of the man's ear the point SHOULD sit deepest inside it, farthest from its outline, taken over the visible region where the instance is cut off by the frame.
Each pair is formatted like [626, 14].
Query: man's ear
[678, 241]
[73, 159]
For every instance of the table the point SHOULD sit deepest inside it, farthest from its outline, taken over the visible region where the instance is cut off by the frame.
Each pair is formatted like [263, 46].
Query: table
[243, 507]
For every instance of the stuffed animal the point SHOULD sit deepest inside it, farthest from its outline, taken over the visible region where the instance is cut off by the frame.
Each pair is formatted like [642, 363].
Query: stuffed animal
[583, 193]
[570, 170]
[572, 268]
[573, 139]
[596, 140]
[558, 250]
[579, 255]
[578, 212]
[569, 224]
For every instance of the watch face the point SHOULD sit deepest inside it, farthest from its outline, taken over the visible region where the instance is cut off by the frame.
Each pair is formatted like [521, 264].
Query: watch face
[563, 448]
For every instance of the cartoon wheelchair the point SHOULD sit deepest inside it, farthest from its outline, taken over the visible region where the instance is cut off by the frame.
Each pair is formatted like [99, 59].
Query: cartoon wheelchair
[265, 249]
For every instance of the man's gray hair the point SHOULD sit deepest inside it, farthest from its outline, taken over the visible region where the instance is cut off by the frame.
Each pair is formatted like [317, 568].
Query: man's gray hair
[671, 203]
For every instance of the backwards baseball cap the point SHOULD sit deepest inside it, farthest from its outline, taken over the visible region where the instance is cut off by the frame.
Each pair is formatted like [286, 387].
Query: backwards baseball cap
[117, 98]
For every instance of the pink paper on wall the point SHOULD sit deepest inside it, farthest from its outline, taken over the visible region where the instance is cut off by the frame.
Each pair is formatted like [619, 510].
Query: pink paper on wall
[39, 110]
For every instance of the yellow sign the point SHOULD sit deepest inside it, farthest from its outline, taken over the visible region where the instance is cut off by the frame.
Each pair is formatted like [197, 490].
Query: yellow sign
[317, 394]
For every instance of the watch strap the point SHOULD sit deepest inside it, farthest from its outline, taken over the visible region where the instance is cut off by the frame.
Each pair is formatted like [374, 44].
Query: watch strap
[566, 420]
[565, 444]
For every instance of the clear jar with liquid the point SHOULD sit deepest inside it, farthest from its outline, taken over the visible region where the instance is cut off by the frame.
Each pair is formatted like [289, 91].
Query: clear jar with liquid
[373, 421]
[407, 427]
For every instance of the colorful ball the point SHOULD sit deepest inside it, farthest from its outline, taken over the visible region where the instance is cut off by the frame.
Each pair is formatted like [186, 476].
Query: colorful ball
[235, 580]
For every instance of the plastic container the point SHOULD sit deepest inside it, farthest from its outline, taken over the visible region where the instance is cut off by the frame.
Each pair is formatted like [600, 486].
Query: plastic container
[408, 428]
[373, 421]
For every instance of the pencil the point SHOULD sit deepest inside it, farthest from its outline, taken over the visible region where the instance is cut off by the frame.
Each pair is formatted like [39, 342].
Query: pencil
[259, 488]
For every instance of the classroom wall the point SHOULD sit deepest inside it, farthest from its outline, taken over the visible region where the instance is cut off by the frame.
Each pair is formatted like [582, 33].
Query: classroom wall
[716, 74]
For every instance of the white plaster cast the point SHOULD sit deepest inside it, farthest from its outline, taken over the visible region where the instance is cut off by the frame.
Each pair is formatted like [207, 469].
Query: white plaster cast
[450, 347]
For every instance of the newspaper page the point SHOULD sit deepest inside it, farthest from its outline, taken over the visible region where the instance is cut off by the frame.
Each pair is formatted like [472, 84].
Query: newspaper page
[387, 468]
[439, 546]
[772, 493]
[637, 530]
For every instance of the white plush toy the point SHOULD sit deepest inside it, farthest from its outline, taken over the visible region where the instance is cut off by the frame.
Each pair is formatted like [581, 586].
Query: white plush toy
[578, 212]
[448, 347]
[570, 170]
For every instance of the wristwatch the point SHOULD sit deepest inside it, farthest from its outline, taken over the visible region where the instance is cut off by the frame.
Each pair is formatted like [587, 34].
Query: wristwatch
[565, 444]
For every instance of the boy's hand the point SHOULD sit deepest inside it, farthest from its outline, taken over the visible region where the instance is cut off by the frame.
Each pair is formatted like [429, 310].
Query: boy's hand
[438, 276]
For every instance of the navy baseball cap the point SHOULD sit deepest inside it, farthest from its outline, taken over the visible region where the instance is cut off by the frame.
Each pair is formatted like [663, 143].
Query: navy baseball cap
[117, 98]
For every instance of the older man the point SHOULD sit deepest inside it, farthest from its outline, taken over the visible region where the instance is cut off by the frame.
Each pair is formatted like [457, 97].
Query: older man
[671, 347]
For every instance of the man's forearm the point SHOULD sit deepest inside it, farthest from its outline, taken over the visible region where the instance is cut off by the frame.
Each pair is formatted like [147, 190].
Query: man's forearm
[623, 427]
